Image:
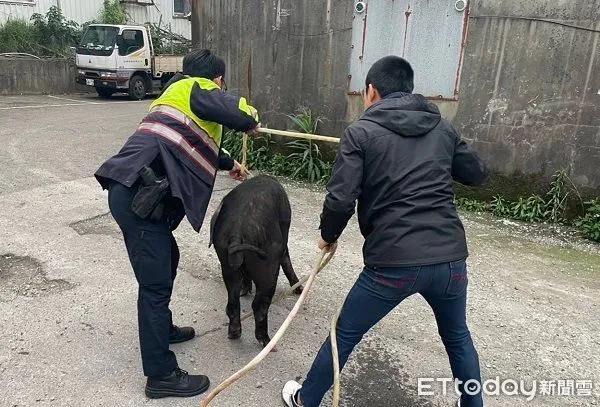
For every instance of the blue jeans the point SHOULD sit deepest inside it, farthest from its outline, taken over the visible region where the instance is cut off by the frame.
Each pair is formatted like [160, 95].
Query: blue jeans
[378, 291]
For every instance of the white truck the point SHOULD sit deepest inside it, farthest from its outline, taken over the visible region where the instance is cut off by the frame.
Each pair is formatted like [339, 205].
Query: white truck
[120, 58]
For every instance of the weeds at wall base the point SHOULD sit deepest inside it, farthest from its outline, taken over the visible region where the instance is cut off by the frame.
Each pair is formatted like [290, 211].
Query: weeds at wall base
[552, 207]
[304, 162]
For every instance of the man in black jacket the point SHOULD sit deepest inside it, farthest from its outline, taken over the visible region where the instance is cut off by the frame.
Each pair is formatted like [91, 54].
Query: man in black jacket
[399, 160]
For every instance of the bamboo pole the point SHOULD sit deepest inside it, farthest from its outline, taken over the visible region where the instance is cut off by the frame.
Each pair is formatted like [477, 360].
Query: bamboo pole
[295, 134]
[336, 359]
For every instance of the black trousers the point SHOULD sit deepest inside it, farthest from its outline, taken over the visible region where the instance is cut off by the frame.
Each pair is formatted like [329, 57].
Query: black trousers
[154, 257]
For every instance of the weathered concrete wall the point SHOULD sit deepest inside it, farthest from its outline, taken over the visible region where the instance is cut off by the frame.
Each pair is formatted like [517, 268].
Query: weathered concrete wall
[32, 76]
[282, 53]
[530, 90]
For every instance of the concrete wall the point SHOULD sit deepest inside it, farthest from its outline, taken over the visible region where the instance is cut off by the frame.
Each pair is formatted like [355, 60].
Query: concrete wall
[282, 53]
[529, 94]
[315, 52]
[31, 76]
[530, 90]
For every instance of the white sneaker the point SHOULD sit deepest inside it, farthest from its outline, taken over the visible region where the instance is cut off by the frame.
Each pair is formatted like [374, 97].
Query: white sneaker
[289, 393]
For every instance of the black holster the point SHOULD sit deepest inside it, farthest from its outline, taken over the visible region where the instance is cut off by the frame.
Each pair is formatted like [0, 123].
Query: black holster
[148, 201]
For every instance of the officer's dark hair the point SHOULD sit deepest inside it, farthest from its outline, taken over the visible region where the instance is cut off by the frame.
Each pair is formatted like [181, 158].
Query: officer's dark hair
[202, 63]
[391, 74]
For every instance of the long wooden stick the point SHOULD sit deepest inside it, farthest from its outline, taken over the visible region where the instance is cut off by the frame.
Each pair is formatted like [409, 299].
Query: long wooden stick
[336, 361]
[245, 151]
[323, 260]
[295, 134]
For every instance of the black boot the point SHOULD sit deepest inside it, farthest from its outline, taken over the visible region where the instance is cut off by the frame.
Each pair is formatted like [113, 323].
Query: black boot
[178, 335]
[177, 384]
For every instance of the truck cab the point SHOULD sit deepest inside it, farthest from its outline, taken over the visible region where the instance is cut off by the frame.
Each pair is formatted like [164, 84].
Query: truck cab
[120, 58]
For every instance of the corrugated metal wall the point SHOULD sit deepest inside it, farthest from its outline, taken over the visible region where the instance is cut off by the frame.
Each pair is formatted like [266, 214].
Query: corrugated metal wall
[82, 11]
[22, 9]
[163, 14]
[429, 34]
[76, 10]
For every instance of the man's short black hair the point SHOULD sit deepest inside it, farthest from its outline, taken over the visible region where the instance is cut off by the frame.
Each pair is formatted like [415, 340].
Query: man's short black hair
[391, 74]
[203, 63]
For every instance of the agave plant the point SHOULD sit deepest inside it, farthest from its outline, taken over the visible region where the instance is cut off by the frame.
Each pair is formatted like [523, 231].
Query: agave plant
[305, 120]
[306, 156]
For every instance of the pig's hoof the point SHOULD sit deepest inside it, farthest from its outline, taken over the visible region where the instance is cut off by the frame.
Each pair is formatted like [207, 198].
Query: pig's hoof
[245, 291]
[234, 333]
[299, 290]
[264, 341]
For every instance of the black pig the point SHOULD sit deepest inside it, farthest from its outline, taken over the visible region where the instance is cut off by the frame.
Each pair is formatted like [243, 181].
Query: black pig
[250, 233]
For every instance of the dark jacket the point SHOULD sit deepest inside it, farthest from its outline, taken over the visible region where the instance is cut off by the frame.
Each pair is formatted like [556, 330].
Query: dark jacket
[184, 146]
[399, 160]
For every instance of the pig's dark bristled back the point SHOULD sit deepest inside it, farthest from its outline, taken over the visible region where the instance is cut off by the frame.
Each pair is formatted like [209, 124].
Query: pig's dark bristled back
[249, 217]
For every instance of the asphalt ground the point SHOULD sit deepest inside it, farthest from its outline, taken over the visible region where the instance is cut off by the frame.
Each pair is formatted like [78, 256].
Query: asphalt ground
[68, 325]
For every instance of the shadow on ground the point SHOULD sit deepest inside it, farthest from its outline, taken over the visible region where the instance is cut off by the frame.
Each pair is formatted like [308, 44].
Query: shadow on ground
[24, 276]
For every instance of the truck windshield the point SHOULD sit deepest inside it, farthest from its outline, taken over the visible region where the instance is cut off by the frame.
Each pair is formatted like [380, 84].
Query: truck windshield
[98, 40]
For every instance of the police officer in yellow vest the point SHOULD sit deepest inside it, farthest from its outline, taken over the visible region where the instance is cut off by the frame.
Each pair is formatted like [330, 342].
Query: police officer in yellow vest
[165, 171]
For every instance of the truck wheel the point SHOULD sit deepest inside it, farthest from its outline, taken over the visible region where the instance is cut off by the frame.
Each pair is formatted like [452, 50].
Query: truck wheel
[137, 88]
[105, 93]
